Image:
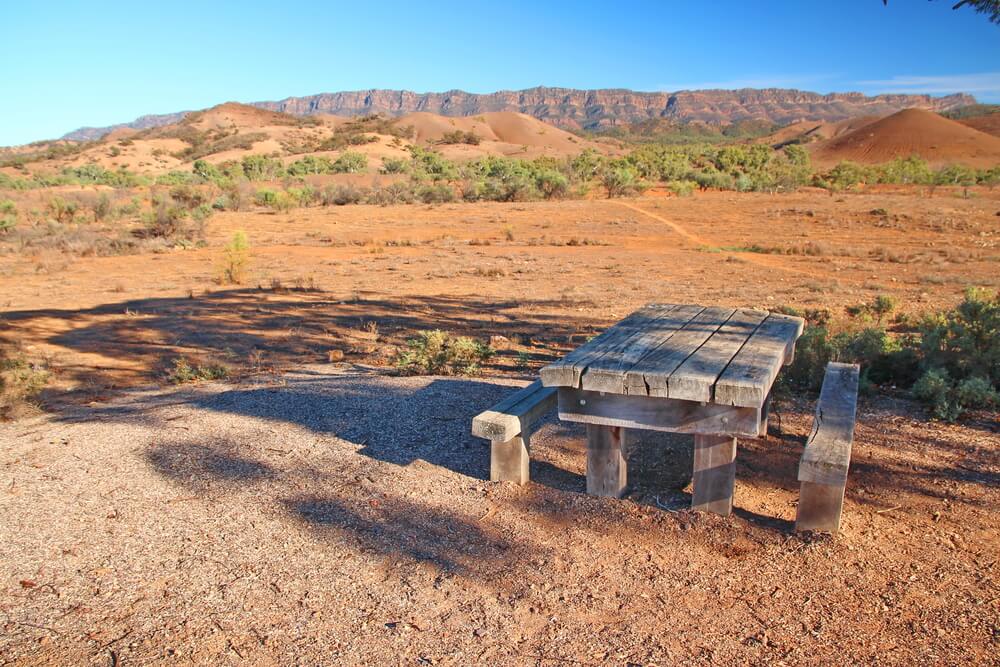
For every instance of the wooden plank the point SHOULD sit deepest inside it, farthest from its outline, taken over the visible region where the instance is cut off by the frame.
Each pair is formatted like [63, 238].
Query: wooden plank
[608, 373]
[827, 455]
[515, 414]
[567, 371]
[656, 414]
[748, 378]
[694, 379]
[714, 474]
[607, 470]
[649, 375]
[820, 507]
[509, 461]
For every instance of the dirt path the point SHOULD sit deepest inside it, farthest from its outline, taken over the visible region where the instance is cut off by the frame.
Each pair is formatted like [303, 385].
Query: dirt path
[703, 243]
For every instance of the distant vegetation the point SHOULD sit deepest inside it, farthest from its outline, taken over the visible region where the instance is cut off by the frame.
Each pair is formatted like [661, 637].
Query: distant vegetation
[662, 131]
[971, 111]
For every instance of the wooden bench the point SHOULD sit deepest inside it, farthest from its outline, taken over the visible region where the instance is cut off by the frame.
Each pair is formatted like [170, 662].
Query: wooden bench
[507, 426]
[824, 464]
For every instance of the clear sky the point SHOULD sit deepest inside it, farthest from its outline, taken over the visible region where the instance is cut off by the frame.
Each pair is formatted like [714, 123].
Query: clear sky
[68, 64]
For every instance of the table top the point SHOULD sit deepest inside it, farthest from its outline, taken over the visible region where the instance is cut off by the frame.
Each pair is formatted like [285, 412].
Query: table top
[729, 356]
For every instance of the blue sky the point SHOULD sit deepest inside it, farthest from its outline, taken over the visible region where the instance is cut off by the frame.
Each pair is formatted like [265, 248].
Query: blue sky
[69, 64]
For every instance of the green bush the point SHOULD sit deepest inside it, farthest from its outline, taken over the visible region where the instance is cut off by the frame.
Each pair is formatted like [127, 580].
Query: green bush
[349, 162]
[102, 207]
[619, 180]
[437, 193]
[20, 383]
[262, 168]
[952, 362]
[438, 353]
[184, 371]
[460, 137]
[393, 165]
[681, 188]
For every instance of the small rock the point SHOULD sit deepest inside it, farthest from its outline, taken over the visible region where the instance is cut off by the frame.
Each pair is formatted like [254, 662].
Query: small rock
[335, 355]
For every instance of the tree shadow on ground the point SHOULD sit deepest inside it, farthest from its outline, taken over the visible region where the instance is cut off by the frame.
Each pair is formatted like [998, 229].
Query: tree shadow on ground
[141, 338]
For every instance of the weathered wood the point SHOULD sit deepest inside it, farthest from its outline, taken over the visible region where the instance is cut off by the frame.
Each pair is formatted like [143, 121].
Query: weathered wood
[649, 376]
[827, 455]
[509, 461]
[515, 413]
[608, 372]
[714, 474]
[693, 380]
[820, 507]
[567, 371]
[656, 414]
[607, 470]
[751, 373]
[765, 411]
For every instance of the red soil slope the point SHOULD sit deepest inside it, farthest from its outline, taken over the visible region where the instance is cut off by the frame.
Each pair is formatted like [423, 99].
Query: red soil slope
[912, 132]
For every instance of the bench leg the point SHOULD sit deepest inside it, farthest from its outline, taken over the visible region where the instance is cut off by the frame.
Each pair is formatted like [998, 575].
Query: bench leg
[607, 471]
[714, 474]
[820, 506]
[765, 411]
[509, 460]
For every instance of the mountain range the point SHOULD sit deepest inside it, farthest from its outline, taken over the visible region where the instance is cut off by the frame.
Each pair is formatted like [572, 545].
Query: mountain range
[572, 108]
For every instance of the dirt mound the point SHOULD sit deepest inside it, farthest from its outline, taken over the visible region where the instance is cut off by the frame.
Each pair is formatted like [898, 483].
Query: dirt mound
[242, 116]
[808, 131]
[517, 130]
[912, 132]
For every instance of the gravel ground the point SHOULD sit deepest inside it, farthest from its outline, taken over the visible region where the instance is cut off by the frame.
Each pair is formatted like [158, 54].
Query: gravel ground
[340, 516]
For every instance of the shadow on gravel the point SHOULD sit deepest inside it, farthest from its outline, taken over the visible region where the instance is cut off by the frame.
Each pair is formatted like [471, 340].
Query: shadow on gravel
[200, 466]
[393, 424]
[399, 528]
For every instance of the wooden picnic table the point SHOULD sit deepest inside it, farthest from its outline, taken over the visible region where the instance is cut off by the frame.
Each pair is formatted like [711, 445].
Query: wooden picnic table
[706, 371]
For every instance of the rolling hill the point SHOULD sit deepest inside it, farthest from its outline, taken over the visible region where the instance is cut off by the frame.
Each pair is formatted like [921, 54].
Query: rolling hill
[936, 139]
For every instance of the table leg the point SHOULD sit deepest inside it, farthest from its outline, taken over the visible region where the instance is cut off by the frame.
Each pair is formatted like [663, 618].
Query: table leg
[607, 471]
[714, 474]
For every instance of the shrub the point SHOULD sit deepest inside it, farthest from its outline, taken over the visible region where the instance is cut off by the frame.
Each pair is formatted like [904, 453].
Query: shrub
[438, 353]
[437, 193]
[392, 193]
[551, 183]
[236, 258]
[20, 383]
[681, 188]
[426, 164]
[262, 168]
[619, 180]
[965, 341]
[169, 220]
[392, 165]
[349, 162]
[340, 195]
[102, 207]
[310, 164]
[184, 371]
[63, 210]
[460, 137]
[188, 195]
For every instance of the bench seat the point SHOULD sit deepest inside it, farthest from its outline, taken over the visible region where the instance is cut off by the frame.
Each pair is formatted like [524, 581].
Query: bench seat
[827, 456]
[507, 426]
